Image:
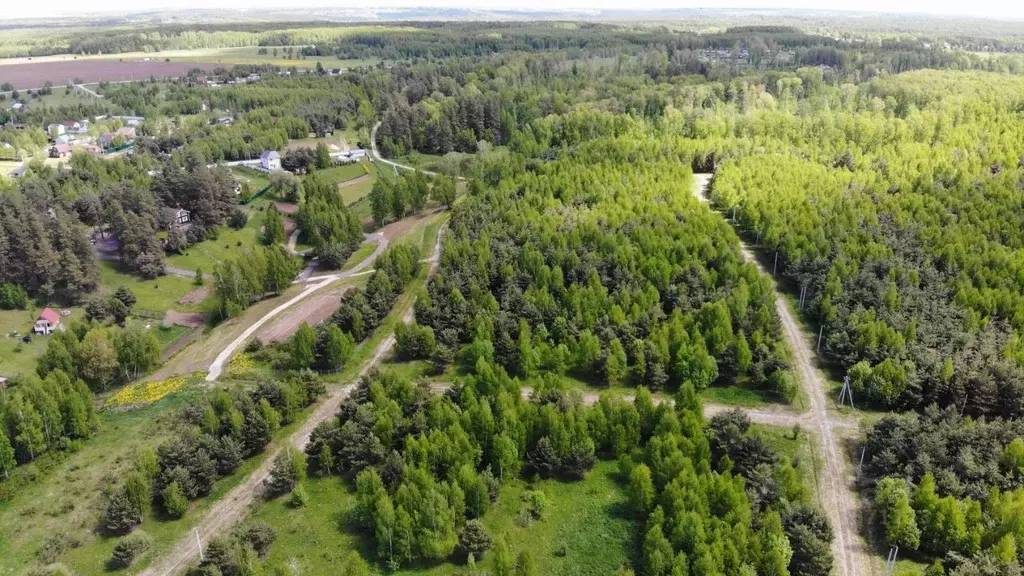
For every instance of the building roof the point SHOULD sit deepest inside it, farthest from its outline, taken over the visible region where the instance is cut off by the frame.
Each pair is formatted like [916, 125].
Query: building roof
[62, 147]
[50, 316]
[270, 155]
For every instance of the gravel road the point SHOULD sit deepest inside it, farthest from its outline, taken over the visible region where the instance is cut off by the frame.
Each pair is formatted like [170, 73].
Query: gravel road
[836, 488]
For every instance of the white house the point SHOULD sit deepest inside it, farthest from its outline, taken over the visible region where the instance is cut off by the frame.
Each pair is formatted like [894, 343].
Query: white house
[271, 160]
[47, 322]
[55, 130]
[182, 216]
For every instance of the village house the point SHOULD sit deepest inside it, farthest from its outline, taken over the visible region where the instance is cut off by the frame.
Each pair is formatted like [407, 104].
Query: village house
[182, 216]
[127, 132]
[75, 127]
[60, 150]
[271, 160]
[47, 322]
[55, 130]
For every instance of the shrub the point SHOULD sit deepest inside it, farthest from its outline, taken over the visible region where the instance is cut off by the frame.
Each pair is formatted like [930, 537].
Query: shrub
[175, 501]
[289, 470]
[258, 535]
[299, 498]
[130, 548]
[123, 512]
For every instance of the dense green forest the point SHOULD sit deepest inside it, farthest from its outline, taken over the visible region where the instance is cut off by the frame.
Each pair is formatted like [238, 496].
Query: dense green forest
[708, 500]
[883, 175]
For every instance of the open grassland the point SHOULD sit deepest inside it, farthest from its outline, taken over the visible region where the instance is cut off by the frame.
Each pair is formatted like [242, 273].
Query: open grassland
[227, 245]
[154, 296]
[587, 529]
[17, 357]
[67, 496]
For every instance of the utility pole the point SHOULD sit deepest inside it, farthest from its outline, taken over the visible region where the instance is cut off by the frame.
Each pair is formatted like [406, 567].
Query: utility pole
[199, 544]
[821, 332]
[775, 267]
[890, 563]
[846, 393]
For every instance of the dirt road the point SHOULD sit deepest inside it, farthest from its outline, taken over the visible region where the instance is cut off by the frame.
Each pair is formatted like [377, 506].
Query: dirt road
[315, 284]
[836, 486]
[234, 506]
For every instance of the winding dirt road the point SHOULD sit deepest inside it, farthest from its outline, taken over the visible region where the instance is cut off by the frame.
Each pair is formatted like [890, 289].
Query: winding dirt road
[318, 282]
[836, 485]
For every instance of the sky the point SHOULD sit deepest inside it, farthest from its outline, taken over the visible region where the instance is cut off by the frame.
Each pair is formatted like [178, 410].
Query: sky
[1000, 9]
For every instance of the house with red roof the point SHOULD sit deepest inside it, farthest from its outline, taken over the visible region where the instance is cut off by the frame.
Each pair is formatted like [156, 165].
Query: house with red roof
[47, 322]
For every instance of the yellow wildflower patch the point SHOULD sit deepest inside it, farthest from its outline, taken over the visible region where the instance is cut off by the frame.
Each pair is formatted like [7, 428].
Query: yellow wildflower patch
[240, 364]
[148, 392]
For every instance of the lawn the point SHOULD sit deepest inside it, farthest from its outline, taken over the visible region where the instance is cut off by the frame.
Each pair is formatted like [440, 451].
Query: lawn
[154, 297]
[360, 254]
[228, 244]
[348, 135]
[257, 180]
[344, 172]
[17, 357]
[57, 98]
[586, 531]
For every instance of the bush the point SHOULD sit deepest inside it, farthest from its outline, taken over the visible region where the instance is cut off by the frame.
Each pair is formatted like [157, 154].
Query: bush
[289, 470]
[175, 501]
[130, 548]
[13, 297]
[55, 546]
[299, 498]
[258, 535]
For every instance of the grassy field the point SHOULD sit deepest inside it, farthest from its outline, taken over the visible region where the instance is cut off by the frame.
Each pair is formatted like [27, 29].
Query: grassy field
[59, 97]
[156, 296]
[228, 244]
[360, 254]
[586, 531]
[68, 498]
[226, 56]
[336, 142]
[17, 357]
[257, 180]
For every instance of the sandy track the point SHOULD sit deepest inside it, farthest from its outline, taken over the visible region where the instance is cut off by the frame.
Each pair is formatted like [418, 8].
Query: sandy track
[836, 485]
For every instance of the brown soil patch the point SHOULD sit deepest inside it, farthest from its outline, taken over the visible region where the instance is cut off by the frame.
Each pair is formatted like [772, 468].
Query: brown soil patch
[397, 228]
[189, 319]
[289, 227]
[355, 181]
[286, 208]
[196, 296]
[35, 74]
[313, 310]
